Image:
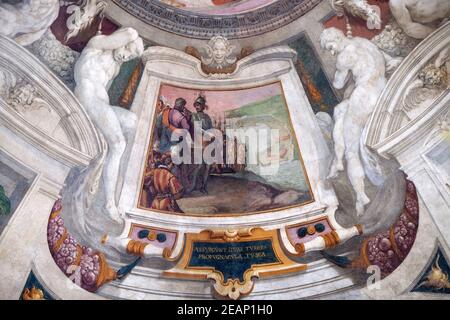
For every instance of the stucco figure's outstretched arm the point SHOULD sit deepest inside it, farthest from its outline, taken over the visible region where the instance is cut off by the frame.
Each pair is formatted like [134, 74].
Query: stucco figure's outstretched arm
[403, 17]
[117, 40]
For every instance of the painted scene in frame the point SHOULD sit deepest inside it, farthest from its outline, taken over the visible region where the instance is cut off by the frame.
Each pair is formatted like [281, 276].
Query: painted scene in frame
[220, 152]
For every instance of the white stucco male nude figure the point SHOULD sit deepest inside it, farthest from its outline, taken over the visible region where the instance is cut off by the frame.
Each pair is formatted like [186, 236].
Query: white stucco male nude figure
[361, 60]
[96, 68]
[27, 20]
[419, 18]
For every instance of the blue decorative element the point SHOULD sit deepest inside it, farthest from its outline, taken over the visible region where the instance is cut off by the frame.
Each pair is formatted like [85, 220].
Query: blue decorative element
[340, 261]
[161, 237]
[125, 270]
[320, 227]
[441, 270]
[302, 232]
[232, 259]
[143, 234]
[32, 281]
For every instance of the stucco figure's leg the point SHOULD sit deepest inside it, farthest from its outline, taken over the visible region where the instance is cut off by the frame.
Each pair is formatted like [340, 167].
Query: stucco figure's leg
[116, 147]
[128, 121]
[109, 124]
[338, 139]
[355, 169]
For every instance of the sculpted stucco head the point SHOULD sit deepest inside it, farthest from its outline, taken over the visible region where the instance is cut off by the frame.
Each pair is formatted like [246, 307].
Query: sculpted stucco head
[219, 52]
[333, 40]
[132, 50]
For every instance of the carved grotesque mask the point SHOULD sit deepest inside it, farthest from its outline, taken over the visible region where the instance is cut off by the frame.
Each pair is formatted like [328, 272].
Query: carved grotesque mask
[220, 51]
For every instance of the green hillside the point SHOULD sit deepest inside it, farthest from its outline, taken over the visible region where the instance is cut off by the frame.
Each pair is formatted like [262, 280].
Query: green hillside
[273, 106]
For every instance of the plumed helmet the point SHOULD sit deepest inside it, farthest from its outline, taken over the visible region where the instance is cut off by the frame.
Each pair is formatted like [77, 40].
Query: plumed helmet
[180, 102]
[200, 100]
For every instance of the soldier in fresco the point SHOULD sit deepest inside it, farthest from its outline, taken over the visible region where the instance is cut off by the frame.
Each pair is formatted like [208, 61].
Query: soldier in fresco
[168, 121]
[164, 186]
[201, 171]
[147, 190]
[162, 105]
[200, 115]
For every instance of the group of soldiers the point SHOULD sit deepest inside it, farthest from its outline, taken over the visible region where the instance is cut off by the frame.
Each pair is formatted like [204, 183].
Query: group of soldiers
[165, 182]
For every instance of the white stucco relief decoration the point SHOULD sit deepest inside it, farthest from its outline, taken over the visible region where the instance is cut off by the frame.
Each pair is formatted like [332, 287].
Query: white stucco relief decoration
[27, 21]
[394, 41]
[97, 66]
[7, 81]
[401, 35]
[219, 53]
[431, 81]
[26, 94]
[418, 141]
[359, 8]
[416, 88]
[82, 16]
[24, 98]
[33, 97]
[366, 63]
[20, 94]
[419, 18]
[58, 57]
[395, 45]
